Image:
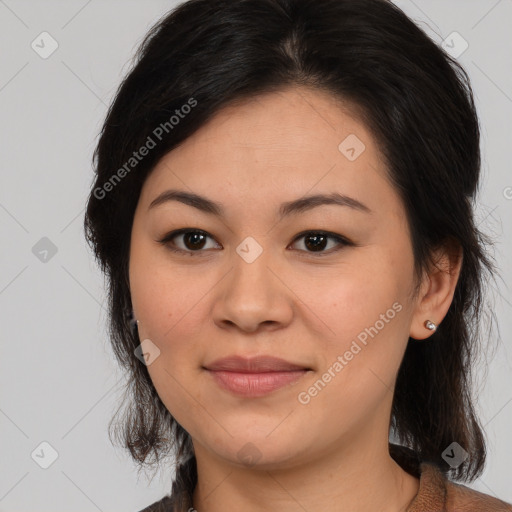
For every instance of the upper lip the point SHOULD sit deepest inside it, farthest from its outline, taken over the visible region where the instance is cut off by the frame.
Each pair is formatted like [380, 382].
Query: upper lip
[254, 364]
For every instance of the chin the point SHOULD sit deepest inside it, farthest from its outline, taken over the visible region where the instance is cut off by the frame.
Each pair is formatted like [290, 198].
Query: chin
[257, 450]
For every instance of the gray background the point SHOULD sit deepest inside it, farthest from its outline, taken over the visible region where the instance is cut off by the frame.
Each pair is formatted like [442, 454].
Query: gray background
[58, 380]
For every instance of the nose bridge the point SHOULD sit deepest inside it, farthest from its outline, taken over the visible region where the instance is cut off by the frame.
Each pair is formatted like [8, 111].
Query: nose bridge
[251, 270]
[252, 294]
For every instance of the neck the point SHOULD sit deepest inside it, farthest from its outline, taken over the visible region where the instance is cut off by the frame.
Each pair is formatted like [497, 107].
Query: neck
[359, 477]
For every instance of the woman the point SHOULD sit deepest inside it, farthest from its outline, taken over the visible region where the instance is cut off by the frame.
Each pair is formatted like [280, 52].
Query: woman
[283, 208]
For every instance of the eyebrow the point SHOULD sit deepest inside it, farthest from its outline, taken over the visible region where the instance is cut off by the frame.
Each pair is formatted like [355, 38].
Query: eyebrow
[288, 208]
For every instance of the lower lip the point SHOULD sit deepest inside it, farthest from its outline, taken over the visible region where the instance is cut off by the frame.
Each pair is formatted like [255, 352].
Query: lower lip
[255, 384]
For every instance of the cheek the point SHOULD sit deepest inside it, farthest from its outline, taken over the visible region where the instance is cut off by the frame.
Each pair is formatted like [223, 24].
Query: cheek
[165, 298]
[358, 363]
[358, 295]
[172, 315]
[365, 311]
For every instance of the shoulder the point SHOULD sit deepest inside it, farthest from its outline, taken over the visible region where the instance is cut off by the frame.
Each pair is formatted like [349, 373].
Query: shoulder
[163, 505]
[171, 503]
[460, 498]
[438, 493]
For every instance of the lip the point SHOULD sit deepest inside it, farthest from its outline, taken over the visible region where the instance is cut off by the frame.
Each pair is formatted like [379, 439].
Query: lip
[256, 364]
[255, 376]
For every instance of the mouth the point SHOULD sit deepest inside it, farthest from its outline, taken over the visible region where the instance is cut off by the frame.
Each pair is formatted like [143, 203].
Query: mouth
[256, 376]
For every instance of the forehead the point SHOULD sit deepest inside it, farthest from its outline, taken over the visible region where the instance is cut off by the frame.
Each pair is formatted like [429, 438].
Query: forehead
[283, 125]
[277, 146]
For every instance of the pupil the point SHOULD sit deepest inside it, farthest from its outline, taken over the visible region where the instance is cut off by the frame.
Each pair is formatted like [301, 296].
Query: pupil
[195, 237]
[318, 243]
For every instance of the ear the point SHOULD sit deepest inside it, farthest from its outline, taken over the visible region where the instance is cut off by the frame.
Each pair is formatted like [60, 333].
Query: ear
[437, 289]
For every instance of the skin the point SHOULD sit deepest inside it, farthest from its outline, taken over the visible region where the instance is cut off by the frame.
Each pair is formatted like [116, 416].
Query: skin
[330, 454]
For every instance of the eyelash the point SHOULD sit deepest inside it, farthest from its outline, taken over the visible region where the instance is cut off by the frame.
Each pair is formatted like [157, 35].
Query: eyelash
[166, 241]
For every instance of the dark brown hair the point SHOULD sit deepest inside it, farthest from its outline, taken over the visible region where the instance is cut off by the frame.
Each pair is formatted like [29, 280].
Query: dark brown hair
[418, 103]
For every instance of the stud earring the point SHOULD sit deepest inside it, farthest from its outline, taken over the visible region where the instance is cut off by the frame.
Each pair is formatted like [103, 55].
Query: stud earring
[430, 325]
[133, 322]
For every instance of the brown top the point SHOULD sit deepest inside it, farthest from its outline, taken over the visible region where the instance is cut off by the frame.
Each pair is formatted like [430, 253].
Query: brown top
[439, 494]
[435, 494]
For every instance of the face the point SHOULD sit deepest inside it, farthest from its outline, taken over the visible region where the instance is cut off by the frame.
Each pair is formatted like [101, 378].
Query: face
[323, 285]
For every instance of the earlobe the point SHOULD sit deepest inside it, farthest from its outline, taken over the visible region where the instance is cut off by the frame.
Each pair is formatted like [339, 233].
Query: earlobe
[437, 292]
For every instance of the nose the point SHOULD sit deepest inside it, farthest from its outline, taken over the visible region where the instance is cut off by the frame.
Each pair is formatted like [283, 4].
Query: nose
[253, 296]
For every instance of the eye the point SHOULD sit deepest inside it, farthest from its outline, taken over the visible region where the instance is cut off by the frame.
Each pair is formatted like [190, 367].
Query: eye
[194, 240]
[316, 242]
